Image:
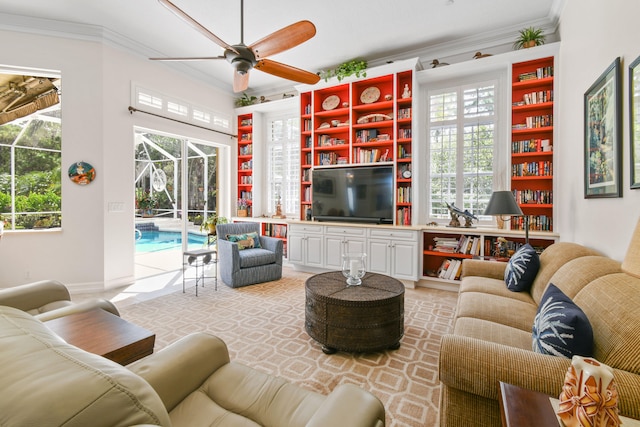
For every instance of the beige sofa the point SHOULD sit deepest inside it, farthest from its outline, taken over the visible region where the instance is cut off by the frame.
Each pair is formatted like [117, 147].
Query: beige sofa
[49, 299]
[492, 336]
[47, 382]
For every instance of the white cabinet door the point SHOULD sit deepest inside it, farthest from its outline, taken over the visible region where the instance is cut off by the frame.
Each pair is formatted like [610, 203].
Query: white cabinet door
[405, 260]
[313, 249]
[305, 245]
[295, 248]
[379, 256]
[335, 246]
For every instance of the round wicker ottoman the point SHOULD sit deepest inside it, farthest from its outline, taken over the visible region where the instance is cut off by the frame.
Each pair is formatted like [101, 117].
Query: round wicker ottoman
[364, 318]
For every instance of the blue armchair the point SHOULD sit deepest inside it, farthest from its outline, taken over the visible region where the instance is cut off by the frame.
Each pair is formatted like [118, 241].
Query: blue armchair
[248, 266]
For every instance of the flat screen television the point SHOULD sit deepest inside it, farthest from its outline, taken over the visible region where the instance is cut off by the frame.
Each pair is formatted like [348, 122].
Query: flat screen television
[354, 194]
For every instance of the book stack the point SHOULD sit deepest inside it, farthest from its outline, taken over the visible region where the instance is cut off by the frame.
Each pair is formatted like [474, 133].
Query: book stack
[450, 269]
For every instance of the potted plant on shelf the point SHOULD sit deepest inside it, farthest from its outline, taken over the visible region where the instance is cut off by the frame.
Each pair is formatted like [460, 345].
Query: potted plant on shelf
[210, 223]
[355, 66]
[529, 37]
[243, 206]
[146, 202]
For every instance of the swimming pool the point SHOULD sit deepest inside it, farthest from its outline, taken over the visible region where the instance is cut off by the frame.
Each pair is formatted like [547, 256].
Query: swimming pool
[154, 241]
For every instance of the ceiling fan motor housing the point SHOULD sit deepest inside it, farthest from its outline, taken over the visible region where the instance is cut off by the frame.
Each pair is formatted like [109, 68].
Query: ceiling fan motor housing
[242, 60]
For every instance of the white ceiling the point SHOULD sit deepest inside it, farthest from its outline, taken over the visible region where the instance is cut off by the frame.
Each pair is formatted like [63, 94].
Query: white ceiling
[375, 30]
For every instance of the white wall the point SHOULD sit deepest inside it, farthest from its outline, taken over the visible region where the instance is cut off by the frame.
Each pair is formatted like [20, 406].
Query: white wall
[593, 33]
[95, 248]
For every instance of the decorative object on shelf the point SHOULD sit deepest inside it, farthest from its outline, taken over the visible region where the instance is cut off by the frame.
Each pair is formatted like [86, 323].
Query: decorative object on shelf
[456, 213]
[335, 123]
[146, 202]
[82, 173]
[435, 64]
[406, 93]
[324, 125]
[603, 135]
[331, 102]
[245, 100]
[278, 209]
[353, 267]
[529, 37]
[589, 397]
[479, 55]
[345, 104]
[210, 223]
[346, 69]
[501, 204]
[243, 207]
[634, 121]
[375, 117]
[388, 97]
[370, 95]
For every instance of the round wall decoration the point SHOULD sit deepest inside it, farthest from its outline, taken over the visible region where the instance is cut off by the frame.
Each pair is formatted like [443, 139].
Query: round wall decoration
[82, 173]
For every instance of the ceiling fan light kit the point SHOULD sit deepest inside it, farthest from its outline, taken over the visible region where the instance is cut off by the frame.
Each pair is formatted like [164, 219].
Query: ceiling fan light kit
[244, 58]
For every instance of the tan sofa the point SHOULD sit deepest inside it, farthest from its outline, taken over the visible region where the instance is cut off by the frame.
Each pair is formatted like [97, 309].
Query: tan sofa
[492, 336]
[49, 299]
[47, 382]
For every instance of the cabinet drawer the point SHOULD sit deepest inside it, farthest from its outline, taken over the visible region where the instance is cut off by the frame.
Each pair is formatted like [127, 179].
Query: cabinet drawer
[345, 231]
[392, 233]
[305, 228]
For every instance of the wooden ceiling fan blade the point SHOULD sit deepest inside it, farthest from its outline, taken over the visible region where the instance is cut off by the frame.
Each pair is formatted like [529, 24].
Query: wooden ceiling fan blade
[283, 39]
[287, 71]
[195, 24]
[240, 81]
[188, 58]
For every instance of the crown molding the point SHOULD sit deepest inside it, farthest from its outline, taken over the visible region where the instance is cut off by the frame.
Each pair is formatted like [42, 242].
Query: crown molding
[98, 34]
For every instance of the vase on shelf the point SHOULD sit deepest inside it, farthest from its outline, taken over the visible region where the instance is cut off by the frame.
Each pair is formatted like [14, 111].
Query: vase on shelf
[589, 397]
[353, 267]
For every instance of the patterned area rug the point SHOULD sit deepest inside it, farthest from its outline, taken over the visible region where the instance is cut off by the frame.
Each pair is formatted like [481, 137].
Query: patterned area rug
[263, 326]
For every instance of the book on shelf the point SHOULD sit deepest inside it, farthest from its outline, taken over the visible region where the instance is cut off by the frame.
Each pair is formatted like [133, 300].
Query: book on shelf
[450, 269]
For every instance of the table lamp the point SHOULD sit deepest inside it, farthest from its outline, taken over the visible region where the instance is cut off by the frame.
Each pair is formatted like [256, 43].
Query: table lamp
[503, 203]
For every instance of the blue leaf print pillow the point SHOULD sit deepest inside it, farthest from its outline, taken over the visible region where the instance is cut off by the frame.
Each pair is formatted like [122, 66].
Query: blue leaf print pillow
[522, 269]
[560, 327]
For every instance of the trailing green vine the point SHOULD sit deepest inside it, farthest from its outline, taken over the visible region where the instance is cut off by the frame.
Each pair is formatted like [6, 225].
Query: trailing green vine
[355, 66]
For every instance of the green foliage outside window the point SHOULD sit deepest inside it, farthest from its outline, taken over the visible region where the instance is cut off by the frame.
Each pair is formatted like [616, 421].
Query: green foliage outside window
[36, 146]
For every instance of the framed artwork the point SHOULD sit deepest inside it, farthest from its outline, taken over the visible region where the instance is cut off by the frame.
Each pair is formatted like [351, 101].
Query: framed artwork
[603, 135]
[634, 121]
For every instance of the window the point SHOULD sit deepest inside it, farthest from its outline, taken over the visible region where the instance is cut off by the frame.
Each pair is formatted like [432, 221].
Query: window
[144, 98]
[283, 164]
[462, 133]
[30, 153]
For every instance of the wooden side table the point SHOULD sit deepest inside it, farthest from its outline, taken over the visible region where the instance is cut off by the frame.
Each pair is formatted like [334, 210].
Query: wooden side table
[364, 318]
[520, 407]
[100, 332]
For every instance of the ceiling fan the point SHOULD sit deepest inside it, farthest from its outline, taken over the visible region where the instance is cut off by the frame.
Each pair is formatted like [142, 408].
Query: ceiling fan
[243, 58]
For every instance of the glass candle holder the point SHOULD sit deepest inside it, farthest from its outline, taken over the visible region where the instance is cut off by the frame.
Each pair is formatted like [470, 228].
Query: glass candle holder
[353, 267]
